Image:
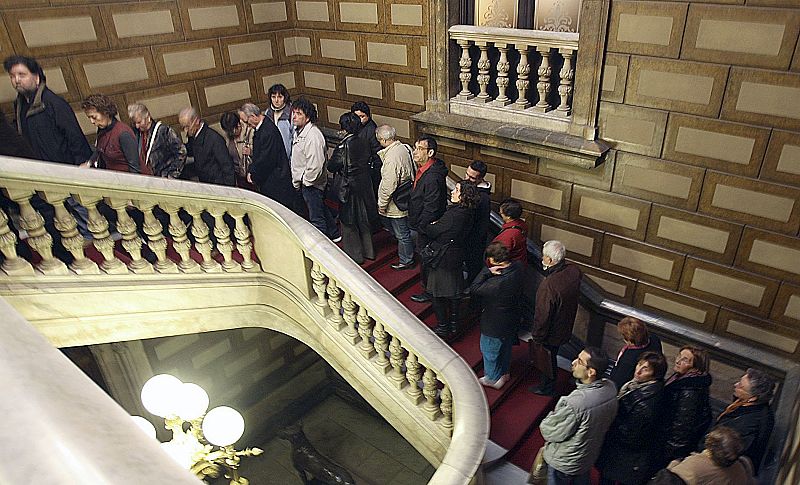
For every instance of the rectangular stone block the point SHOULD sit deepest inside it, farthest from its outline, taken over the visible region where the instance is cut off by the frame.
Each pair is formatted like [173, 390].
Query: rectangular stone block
[599, 177]
[406, 17]
[204, 19]
[648, 28]
[268, 12]
[786, 309]
[358, 86]
[358, 13]
[741, 35]
[540, 194]
[410, 15]
[692, 233]
[687, 87]
[401, 124]
[165, 102]
[771, 336]
[297, 46]
[658, 180]
[728, 287]
[782, 160]
[312, 11]
[225, 93]
[248, 52]
[720, 145]
[123, 71]
[613, 285]
[770, 254]
[676, 306]
[142, 24]
[609, 212]
[766, 98]
[633, 129]
[57, 31]
[338, 49]
[43, 32]
[188, 61]
[383, 53]
[751, 202]
[409, 94]
[319, 80]
[582, 243]
[137, 24]
[641, 261]
[268, 79]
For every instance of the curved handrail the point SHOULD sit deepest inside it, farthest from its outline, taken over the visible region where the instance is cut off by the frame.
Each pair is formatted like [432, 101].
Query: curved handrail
[470, 427]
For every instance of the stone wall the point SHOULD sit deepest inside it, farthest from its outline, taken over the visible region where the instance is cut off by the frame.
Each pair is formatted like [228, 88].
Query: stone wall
[695, 213]
[218, 54]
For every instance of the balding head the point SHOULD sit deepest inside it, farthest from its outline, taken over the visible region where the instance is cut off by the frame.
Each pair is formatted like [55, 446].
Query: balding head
[386, 135]
[189, 120]
[250, 114]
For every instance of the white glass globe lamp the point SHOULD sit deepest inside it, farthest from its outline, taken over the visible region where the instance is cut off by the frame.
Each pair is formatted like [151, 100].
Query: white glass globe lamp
[192, 401]
[223, 426]
[145, 426]
[159, 394]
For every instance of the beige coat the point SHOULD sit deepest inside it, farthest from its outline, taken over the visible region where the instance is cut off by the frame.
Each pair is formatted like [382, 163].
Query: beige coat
[397, 168]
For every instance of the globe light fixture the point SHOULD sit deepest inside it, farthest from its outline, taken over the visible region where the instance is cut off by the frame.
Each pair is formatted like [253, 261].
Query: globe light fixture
[205, 445]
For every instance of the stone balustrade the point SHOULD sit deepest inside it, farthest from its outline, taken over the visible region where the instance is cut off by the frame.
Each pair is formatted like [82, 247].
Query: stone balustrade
[515, 71]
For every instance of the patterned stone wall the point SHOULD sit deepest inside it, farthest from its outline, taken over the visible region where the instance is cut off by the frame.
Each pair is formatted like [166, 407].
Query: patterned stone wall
[218, 54]
[695, 214]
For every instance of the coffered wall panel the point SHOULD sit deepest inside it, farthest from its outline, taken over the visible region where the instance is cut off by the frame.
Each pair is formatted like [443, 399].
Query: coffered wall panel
[649, 28]
[688, 232]
[359, 15]
[787, 306]
[769, 253]
[766, 98]
[268, 15]
[142, 24]
[657, 180]
[114, 72]
[599, 177]
[583, 244]
[772, 336]
[609, 212]
[539, 194]
[248, 52]
[633, 129]
[614, 285]
[615, 74]
[674, 305]
[204, 19]
[188, 61]
[782, 161]
[644, 261]
[225, 93]
[164, 103]
[406, 16]
[55, 31]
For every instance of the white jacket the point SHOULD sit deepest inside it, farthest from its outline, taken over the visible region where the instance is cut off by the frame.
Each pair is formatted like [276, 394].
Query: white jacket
[308, 158]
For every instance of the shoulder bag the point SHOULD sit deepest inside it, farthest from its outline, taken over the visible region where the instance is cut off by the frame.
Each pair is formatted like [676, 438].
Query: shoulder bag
[402, 194]
[433, 253]
[341, 183]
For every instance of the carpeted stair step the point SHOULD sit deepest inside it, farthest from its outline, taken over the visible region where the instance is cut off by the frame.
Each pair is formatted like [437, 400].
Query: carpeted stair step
[394, 281]
[519, 367]
[525, 453]
[469, 348]
[385, 251]
[421, 310]
[519, 413]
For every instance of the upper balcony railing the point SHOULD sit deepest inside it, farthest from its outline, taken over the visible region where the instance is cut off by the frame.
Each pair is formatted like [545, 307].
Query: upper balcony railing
[515, 73]
[408, 374]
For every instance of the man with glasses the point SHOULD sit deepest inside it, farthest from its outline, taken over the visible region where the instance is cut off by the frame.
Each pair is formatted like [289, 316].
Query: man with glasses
[575, 429]
[428, 197]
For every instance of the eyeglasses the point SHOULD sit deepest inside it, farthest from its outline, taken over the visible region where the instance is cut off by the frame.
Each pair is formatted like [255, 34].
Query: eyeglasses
[421, 148]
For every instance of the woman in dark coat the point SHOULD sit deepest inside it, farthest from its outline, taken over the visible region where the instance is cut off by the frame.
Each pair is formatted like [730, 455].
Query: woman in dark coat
[446, 281]
[686, 412]
[627, 450]
[637, 341]
[359, 209]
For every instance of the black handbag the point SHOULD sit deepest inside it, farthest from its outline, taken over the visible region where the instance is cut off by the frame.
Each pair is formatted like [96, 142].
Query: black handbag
[433, 253]
[402, 194]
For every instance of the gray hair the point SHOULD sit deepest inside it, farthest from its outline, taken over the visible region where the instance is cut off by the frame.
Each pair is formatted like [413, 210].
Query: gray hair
[250, 109]
[761, 384]
[555, 250]
[188, 114]
[385, 132]
[138, 109]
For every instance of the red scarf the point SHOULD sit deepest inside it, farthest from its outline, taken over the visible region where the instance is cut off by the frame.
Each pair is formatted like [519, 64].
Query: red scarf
[422, 170]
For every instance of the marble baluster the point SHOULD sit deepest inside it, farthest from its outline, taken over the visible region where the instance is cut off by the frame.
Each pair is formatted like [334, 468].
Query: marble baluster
[335, 303]
[567, 77]
[319, 284]
[543, 86]
[155, 238]
[224, 243]
[502, 76]
[446, 407]
[413, 376]
[465, 76]
[365, 325]
[202, 242]
[98, 226]
[71, 239]
[523, 83]
[244, 242]
[430, 390]
[12, 264]
[350, 311]
[130, 237]
[396, 354]
[38, 238]
[381, 345]
[180, 240]
[483, 73]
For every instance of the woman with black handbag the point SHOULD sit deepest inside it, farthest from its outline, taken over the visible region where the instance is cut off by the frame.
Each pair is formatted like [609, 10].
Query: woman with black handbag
[352, 185]
[448, 238]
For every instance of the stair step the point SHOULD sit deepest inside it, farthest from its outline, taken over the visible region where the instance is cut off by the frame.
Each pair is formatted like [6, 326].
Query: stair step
[394, 281]
[421, 310]
[519, 368]
[469, 348]
[525, 453]
[385, 251]
[519, 413]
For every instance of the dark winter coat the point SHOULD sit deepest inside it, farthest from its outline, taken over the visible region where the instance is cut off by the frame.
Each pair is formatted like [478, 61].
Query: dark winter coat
[447, 279]
[11, 142]
[628, 447]
[367, 133]
[500, 297]
[754, 424]
[623, 370]
[684, 417]
[476, 244]
[50, 126]
[428, 199]
[361, 206]
[115, 149]
[556, 304]
[212, 161]
[270, 166]
[166, 154]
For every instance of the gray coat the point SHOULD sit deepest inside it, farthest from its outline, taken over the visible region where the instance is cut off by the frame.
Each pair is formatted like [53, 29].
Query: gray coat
[575, 429]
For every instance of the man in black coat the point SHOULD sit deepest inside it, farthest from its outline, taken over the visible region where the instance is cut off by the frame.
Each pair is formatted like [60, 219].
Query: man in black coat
[428, 199]
[367, 133]
[476, 173]
[212, 162]
[750, 415]
[269, 170]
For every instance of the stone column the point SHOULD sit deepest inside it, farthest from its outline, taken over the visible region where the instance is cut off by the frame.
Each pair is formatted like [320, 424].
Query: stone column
[502, 75]
[483, 73]
[566, 75]
[180, 241]
[244, 242]
[413, 375]
[543, 86]
[465, 76]
[202, 242]
[130, 237]
[98, 226]
[224, 244]
[335, 304]
[523, 69]
[70, 238]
